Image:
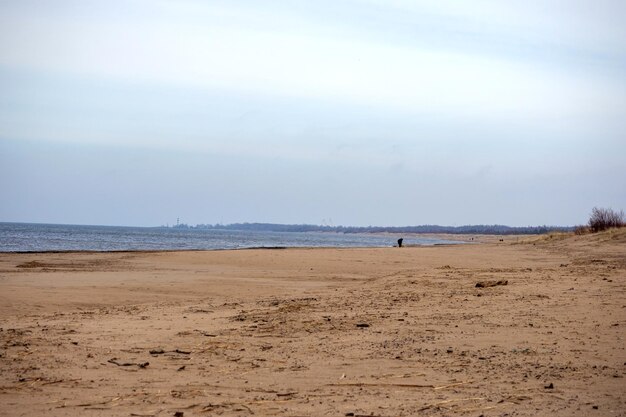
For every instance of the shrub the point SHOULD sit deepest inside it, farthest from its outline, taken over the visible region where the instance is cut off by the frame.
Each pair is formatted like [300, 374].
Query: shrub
[605, 218]
[581, 230]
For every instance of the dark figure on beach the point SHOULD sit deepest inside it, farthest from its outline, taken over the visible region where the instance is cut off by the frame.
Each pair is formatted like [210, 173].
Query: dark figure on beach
[400, 242]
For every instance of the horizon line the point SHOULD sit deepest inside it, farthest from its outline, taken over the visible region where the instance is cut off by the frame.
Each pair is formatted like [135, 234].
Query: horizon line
[217, 225]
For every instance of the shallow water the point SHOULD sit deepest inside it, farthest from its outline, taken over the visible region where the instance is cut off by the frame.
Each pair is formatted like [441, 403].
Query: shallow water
[28, 237]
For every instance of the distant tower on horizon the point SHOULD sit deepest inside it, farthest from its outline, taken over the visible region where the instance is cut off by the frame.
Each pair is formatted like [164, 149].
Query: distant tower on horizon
[177, 221]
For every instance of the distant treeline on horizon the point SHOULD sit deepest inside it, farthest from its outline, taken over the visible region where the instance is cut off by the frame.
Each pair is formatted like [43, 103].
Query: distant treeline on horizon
[469, 229]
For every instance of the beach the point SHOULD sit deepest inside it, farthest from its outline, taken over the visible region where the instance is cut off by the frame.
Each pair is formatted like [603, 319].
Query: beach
[341, 332]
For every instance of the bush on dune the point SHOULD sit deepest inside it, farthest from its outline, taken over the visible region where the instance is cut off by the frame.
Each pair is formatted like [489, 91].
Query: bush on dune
[605, 218]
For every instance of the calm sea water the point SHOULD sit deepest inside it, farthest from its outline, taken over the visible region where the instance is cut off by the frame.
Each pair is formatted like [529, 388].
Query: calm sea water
[26, 237]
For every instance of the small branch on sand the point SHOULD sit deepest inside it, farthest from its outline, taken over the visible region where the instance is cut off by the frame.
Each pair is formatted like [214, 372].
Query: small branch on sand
[518, 399]
[456, 384]
[491, 407]
[285, 394]
[42, 381]
[363, 415]
[388, 384]
[270, 401]
[140, 364]
[234, 406]
[92, 404]
[60, 380]
[485, 284]
[147, 414]
[370, 384]
[160, 351]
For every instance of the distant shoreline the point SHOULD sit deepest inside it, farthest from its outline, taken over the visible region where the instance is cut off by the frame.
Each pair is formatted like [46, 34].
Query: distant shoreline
[496, 229]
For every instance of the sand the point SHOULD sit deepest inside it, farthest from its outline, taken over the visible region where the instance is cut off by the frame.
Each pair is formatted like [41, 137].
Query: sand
[341, 332]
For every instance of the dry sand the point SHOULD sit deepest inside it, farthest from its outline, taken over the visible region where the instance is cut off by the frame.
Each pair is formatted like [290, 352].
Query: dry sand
[340, 332]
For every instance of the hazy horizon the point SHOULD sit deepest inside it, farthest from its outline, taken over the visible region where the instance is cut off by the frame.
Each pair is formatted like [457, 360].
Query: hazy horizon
[355, 113]
[182, 223]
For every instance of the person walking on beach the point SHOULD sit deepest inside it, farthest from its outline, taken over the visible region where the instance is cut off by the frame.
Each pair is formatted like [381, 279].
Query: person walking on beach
[400, 242]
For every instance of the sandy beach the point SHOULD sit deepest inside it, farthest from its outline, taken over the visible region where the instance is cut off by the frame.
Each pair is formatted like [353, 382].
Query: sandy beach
[313, 332]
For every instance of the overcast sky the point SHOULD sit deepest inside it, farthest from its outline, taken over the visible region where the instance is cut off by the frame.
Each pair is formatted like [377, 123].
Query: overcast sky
[344, 112]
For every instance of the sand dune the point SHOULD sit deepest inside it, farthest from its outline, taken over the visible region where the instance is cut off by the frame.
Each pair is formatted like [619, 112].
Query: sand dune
[370, 332]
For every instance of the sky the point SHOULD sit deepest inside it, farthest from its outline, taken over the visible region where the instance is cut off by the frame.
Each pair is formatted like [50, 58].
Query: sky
[338, 112]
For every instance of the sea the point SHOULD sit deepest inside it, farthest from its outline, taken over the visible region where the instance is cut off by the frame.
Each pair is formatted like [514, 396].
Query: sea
[31, 237]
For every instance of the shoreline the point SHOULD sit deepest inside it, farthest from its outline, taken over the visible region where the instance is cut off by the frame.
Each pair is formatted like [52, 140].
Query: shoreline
[21, 238]
[138, 251]
[449, 238]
